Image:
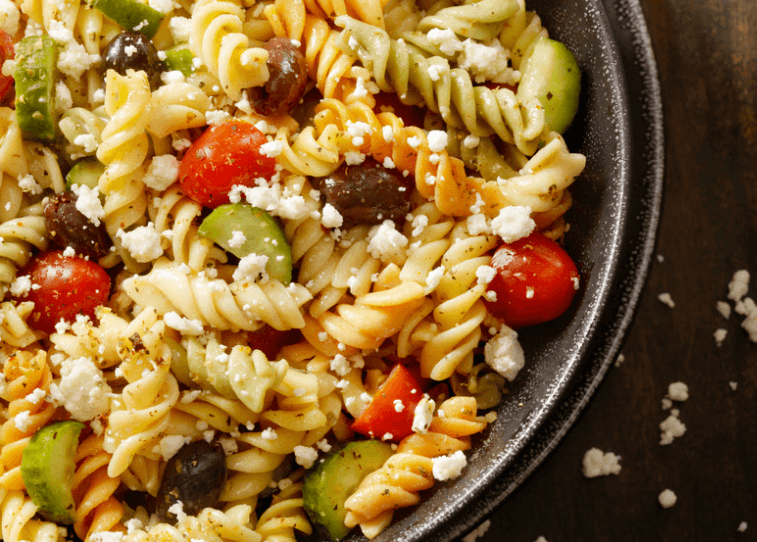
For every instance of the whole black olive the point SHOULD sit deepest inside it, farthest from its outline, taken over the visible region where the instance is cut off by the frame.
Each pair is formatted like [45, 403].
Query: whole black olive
[286, 84]
[70, 228]
[133, 51]
[194, 477]
[367, 194]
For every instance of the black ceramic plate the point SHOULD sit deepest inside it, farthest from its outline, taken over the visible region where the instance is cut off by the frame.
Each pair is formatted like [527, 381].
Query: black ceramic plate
[613, 228]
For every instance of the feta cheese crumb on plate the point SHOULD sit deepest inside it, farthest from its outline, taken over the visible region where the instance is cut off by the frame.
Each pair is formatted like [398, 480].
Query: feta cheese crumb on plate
[597, 463]
[666, 299]
[671, 428]
[478, 532]
[667, 498]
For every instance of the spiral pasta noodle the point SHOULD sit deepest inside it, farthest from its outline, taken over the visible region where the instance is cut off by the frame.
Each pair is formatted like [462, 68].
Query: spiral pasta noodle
[97, 510]
[217, 38]
[24, 373]
[14, 327]
[18, 522]
[19, 236]
[409, 471]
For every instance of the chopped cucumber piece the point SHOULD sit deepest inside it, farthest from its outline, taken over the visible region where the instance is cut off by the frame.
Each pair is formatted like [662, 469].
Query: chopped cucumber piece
[35, 81]
[180, 58]
[85, 172]
[47, 468]
[327, 488]
[258, 233]
[132, 15]
[552, 75]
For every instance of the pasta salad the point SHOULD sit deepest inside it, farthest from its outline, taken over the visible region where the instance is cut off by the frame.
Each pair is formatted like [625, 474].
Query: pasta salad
[262, 264]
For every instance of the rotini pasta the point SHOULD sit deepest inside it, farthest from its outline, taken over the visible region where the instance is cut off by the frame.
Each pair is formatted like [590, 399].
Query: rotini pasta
[278, 286]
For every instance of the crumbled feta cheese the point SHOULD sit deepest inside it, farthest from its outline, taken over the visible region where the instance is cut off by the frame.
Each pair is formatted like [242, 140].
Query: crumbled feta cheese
[423, 415]
[414, 141]
[143, 243]
[733, 385]
[504, 354]
[724, 309]
[87, 142]
[435, 71]
[74, 60]
[666, 299]
[354, 158]
[597, 463]
[9, 17]
[163, 6]
[387, 133]
[21, 286]
[88, 203]
[169, 445]
[485, 274]
[272, 148]
[486, 62]
[182, 324]
[23, 420]
[305, 456]
[229, 445]
[269, 434]
[251, 268]
[219, 117]
[387, 436]
[678, 391]
[237, 239]
[739, 285]
[58, 31]
[671, 428]
[385, 242]
[437, 140]
[180, 28]
[433, 279]
[398, 405]
[28, 184]
[449, 466]
[330, 217]
[471, 141]
[340, 365]
[323, 445]
[63, 99]
[513, 223]
[162, 172]
[446, 40]
[742, 526]
[667, 498]
[82, 389]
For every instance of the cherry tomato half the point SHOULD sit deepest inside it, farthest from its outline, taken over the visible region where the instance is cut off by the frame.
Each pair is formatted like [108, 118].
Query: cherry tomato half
[68, 286]
[535, 281]
[381, 417]
[6, 52]
[224, 155]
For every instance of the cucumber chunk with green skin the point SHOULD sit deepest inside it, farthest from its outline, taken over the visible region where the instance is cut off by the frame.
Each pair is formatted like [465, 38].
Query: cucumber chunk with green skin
[327, 487]
[553, 77]
[35, 82]
[85, 172]
[261, 235]
[132, 15]
[179, 58]
[47, 468]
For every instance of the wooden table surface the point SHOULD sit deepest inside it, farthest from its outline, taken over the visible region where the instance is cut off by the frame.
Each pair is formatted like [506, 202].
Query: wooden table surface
[706, 52]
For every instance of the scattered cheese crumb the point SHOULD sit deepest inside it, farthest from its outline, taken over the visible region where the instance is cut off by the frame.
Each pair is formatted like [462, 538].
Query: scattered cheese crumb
[733, 385]
[724, 309]
[513, 223]
[237, 239]
[504, 354]
[678, 391]
[305, 456]
[82, 389]
[720, 335]
[162, 173]
[143, 243]
[671, 428]
[666, 299]
[251, 268]
[423, 415]
[739, 285]
[183, 324]
[88, 203]
[597, 463]
[667, 498]
[478, 532]
[742, 526]
[449, 466]
[620, 360]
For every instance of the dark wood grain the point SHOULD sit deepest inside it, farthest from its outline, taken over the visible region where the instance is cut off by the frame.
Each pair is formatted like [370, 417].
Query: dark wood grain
[707, 58]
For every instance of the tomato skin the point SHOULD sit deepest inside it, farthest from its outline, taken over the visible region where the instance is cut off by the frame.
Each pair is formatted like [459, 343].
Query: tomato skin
[535, 266]
[68, 286]
[410, 114]
[380, 416]
[6, 52]
[224, 155]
